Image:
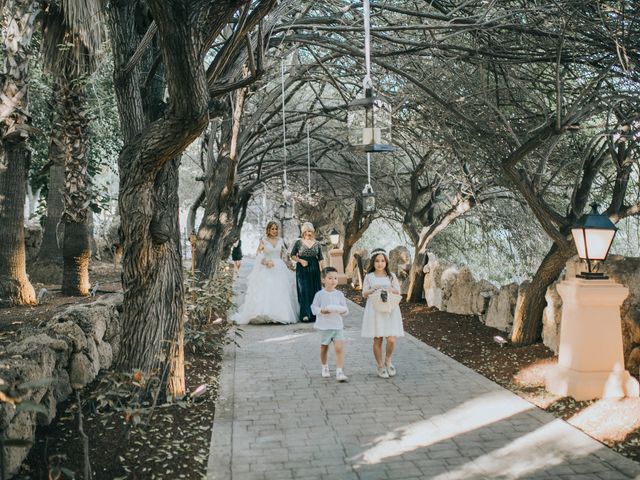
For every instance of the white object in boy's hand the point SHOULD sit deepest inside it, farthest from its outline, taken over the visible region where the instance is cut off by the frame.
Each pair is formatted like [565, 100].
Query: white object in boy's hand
[335, 309]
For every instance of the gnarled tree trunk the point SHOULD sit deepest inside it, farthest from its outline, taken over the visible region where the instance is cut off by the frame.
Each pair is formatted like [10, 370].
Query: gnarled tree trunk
[17, 26]
[220, 206]
[527, 321]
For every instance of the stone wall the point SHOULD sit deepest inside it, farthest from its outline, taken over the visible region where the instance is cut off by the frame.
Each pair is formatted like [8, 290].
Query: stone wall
[457, 291]
[71, 348]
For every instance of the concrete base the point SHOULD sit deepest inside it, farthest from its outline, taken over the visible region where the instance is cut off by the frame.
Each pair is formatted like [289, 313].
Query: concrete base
[590, 357]
[588, 385]
[335, 261]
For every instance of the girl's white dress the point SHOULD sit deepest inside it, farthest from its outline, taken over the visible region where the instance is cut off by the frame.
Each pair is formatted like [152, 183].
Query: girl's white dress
[271, 292]
[377, 324]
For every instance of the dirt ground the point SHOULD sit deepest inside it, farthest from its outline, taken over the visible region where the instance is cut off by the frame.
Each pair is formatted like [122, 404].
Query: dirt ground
[171, 440]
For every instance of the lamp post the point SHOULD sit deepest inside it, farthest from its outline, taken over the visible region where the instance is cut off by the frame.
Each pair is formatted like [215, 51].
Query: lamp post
[334, 236]
[335, 256]
[593, 235]
[590, 355]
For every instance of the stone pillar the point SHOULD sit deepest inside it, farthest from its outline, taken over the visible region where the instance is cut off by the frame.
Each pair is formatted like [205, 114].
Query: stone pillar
[590, 359]
[335, 261]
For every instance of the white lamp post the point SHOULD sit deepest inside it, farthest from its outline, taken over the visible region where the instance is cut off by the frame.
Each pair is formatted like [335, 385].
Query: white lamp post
[334, 236]
[590, 355]
[335, 256]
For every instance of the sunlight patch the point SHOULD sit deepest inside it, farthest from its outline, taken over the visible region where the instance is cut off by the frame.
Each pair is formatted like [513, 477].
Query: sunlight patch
[546, 447]
[471, 415]
[284, 338]
[609, 420]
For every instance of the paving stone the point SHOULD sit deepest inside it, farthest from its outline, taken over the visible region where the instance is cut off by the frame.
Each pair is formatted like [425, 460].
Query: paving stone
[278, 419]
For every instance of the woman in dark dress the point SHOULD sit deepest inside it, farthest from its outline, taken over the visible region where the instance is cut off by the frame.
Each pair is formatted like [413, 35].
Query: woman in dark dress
[236, 255]
[307, 254]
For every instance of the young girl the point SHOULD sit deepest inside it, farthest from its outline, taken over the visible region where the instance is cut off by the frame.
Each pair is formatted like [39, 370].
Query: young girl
[379, 325]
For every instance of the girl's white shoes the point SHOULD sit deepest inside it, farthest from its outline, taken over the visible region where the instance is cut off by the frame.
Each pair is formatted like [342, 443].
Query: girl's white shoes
[386, 372]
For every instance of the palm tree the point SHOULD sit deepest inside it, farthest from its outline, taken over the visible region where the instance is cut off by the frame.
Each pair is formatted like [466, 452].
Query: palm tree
[71, 40]
[18, 17]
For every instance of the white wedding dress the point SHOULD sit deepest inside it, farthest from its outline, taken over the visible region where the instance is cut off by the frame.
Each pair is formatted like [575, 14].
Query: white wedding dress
[271, 292]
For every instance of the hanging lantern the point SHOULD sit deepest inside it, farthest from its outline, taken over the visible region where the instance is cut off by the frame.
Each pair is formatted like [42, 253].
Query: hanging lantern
[593, 235]
[285, 211]
[368, 199]
[369, 124]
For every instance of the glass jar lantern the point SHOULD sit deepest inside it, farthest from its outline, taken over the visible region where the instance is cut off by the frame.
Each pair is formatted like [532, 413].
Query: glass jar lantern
[369, 124]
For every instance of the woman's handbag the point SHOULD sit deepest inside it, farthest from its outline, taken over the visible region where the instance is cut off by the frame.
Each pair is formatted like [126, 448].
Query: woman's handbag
[384, 301]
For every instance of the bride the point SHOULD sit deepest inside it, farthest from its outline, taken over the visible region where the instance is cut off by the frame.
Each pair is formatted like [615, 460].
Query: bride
[270, 296]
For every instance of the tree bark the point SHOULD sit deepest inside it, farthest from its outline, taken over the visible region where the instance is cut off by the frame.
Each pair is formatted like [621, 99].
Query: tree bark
[48, 266]
[15, 288]
[527, 321]
[17, 27]
[76, 252]
[353, 230]
[152, 270]
[414, 293]
[221, 195]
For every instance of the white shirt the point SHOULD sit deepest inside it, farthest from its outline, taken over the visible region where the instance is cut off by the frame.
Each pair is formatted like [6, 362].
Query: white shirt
[333, 301]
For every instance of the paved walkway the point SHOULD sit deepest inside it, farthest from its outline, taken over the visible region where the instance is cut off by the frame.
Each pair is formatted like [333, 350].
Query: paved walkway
[277, 418]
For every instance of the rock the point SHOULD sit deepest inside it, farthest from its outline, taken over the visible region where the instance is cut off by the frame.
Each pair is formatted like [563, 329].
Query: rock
[502, 308]
[482, 293]
[551, 319]
[62, 388]
[22, 427]
[460, 300]
[105, 354]
[50, 353]
[400, 265]
[633, 361]
[81, 371]
[32, 240]
[49, 402]
[447, 281]
[433, 283]
[92, 318]
[68, 331]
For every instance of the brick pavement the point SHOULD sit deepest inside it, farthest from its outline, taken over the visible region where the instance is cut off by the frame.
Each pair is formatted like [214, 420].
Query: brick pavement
[277, 418]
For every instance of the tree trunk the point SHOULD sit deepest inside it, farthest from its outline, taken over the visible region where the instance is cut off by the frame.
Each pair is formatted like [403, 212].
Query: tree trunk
[177, 386]
[48, 266]
[17, 28]
[527, 321]
[221, 202]
[414, 294]
[76, 252]
[15, 288]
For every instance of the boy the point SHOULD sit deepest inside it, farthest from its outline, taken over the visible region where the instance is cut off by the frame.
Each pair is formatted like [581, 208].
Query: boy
[329, 306]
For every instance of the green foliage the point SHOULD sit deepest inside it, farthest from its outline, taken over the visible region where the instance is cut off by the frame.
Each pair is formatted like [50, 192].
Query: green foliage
[207, 303]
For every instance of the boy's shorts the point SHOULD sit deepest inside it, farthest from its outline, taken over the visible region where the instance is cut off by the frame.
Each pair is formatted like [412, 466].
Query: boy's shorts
[327, 336]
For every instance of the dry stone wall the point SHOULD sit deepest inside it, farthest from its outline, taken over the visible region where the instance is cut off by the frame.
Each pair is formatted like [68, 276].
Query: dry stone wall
[457, 291]
[71, 349]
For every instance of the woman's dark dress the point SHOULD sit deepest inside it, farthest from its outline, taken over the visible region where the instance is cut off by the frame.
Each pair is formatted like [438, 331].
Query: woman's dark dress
[307, 278]
[236, 252]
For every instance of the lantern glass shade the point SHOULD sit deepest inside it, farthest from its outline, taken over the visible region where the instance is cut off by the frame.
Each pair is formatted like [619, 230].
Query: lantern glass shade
[284, 211]
[368, 199]
[369, 124]
[334, 236]
[593, 235]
